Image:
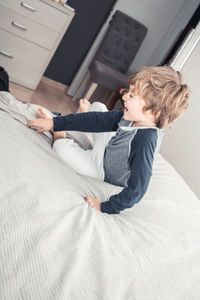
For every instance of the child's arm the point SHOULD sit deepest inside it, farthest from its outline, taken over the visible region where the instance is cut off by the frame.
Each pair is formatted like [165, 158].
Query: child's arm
[86, 122]
[89, 121]
[141, 171]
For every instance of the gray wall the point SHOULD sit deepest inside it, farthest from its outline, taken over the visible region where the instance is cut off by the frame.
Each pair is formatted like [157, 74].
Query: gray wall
[164, 19]
[181, 143]
[78, 38]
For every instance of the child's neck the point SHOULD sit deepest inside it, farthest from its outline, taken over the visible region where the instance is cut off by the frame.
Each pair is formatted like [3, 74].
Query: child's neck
[143, 124]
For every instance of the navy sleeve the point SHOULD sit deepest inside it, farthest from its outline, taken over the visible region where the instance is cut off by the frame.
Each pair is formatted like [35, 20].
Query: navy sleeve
[89, 121]
[141, 171]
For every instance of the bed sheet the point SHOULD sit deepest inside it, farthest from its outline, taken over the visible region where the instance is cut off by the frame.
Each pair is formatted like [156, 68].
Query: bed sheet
[53, 245]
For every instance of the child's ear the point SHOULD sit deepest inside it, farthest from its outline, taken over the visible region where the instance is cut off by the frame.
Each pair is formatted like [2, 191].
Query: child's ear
[157, 114]
[149, 112]
[154, 114]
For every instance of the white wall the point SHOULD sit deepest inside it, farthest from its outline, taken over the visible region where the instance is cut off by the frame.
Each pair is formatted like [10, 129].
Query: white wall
[181, 144]
[164, 20]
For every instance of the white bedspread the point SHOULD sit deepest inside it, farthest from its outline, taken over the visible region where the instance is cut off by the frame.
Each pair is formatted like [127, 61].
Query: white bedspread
[54, 246]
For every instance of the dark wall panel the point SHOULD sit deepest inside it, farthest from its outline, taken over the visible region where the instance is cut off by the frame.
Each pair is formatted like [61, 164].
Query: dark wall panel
[90, 16]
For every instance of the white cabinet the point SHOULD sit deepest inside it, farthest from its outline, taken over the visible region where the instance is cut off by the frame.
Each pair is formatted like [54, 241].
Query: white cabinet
[30, 32]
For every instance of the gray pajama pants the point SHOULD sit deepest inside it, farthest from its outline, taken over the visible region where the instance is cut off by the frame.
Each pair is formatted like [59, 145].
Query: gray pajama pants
[84, 152]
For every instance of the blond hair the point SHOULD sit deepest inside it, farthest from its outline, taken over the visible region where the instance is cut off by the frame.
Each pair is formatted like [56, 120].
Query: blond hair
[163, 91]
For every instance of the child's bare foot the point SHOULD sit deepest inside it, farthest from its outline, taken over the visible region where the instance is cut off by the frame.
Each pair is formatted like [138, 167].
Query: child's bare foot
[84, 105]
[42, 113]
[59, 135]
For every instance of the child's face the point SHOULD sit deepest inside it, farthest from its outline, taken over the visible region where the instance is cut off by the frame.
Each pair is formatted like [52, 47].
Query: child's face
[133, 107]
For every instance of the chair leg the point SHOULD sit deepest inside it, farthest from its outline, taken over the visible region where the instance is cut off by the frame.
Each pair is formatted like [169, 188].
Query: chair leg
[83, 87]
[117, 96]
[91, 90]
[114, 100]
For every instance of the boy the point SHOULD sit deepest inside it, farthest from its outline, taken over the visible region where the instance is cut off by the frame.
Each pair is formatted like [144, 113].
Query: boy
[155, 99]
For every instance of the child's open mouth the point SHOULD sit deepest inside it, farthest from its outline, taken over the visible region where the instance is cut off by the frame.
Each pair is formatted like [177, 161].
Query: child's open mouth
[125, 108]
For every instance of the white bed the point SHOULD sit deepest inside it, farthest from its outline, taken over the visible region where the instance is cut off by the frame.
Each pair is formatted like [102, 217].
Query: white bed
[54, 246]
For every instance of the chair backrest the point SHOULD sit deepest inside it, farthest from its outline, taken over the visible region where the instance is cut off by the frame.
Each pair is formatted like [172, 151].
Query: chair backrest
[121, 42]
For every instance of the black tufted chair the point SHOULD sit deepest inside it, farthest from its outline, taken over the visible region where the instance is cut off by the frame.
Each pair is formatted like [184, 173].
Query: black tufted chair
[114, 56]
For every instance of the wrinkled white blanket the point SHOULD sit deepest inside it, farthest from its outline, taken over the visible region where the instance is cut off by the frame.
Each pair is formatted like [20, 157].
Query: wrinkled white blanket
[54, 246]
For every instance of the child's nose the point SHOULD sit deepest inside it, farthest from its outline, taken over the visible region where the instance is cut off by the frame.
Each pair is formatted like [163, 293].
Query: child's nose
[125, 92]
[124, 97]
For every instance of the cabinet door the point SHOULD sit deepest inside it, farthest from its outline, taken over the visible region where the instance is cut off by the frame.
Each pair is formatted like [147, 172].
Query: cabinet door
[88, 20]
[38, 11]
[22, 60]
[26, 28]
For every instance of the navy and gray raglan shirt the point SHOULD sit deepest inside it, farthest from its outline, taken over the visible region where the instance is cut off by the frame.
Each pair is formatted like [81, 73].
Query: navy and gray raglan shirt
[128, 157]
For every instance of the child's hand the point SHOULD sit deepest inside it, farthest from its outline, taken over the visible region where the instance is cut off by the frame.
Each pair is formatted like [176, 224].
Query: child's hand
[41, 124]
[96, 203]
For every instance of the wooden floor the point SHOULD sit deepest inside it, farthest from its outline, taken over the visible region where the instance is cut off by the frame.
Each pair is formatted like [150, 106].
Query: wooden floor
[52, 95]
[49, 93]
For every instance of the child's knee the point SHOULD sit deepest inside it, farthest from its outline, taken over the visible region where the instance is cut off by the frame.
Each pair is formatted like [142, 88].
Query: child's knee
[98, 106]
[59, 145]
[66, 148]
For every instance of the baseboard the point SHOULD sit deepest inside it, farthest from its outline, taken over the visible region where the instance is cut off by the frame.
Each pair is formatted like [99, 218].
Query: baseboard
[56, 84]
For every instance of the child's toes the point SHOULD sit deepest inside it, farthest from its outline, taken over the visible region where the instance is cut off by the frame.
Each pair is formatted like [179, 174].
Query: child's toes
[84, 105]
[87, 101]
[43, 113]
